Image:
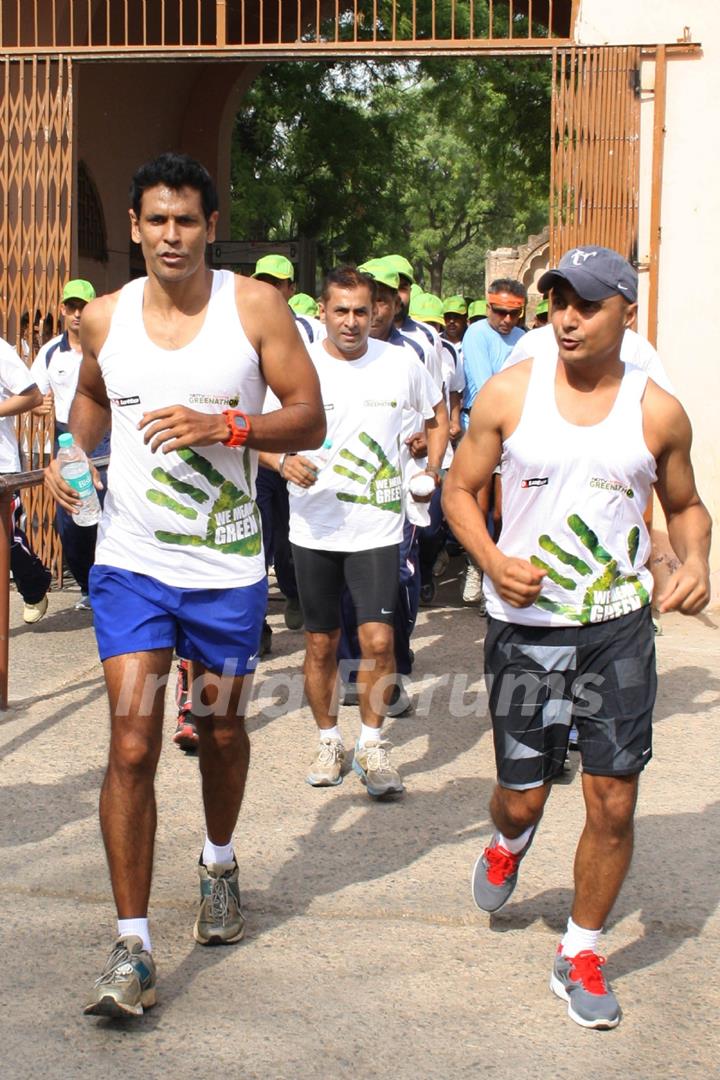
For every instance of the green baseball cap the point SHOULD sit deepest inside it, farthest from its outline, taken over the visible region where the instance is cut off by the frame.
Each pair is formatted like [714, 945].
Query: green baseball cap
[276, 266]
[455, 305]
[78, 289]
[400, 264]
[383, 274]
[428, 308]
[542, 308]
[302, 303]
[478, 307]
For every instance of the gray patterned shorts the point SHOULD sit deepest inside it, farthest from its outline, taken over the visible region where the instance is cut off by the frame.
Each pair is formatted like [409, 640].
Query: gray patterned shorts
[601, 677]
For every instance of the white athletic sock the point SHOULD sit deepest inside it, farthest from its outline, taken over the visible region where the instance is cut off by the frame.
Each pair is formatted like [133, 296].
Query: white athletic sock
[369, 734]
[577, 939]
[331, 733]
[217, 853]
[138, 927]
[517, 843]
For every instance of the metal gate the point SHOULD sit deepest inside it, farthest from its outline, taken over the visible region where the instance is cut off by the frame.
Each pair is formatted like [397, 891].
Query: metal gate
[36, 192]
[595, 149]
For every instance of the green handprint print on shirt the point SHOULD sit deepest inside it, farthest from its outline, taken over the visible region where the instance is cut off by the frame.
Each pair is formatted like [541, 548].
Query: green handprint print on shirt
[233, 522]
[610, 594]
[385, 483]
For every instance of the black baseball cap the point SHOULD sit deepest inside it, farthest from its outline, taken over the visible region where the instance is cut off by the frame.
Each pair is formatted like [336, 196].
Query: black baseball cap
[595, 273]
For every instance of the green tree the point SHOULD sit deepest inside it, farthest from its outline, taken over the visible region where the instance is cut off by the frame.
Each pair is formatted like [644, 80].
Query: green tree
[439, 159]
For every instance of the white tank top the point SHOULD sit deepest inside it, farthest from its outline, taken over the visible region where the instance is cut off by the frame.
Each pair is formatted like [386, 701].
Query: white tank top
[187, 518]
[572, 503]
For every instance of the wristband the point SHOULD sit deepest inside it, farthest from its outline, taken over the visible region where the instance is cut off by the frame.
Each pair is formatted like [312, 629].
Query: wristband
[281, 465]
[238, 425]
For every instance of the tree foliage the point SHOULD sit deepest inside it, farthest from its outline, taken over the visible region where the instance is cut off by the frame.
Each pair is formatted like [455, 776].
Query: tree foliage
[438, 159]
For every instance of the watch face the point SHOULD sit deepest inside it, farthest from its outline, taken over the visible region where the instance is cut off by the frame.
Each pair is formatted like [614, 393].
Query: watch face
[240, 422]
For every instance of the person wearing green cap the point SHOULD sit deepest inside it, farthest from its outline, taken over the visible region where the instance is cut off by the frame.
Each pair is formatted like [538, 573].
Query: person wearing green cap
[477, 310]
[419, 331]
[455, 316]
[304, 304]
[56, 369]
[277, 271]
[541, 315]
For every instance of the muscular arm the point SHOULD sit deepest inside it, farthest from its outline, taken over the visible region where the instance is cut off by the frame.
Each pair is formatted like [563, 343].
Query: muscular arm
[669, 436]
[89, 418]
[494, 415]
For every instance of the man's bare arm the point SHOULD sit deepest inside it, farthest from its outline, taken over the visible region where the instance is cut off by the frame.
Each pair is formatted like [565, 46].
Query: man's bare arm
[689, 523]
[26, 400]
[437, 431]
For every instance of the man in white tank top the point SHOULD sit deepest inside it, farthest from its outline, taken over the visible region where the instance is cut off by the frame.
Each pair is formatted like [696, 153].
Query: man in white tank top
[582, 437]
[181, 361]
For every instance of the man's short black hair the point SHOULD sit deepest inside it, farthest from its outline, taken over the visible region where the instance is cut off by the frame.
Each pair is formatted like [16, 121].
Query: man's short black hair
[174, 171]
[346, 277]
[509, 285]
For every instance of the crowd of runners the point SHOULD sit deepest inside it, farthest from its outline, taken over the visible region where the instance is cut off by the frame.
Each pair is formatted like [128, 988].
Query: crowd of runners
[350, 441]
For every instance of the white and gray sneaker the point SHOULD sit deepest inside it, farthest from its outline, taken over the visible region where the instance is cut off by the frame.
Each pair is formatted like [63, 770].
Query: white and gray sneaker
[472, 589]
[373, 765]
[579, 981]
[328, 765]
[126, 986]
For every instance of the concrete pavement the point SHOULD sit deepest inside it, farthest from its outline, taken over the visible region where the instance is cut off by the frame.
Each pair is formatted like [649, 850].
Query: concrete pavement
[364, 954]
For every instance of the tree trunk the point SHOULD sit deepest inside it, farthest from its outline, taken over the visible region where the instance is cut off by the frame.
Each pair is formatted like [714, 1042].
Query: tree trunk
[437, 264]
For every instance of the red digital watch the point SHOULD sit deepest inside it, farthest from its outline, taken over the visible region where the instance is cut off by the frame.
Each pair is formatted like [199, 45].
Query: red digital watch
[238, 424]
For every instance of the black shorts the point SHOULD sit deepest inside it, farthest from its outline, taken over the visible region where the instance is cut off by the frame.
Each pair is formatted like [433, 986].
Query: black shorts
[542, 679]
[372, 577]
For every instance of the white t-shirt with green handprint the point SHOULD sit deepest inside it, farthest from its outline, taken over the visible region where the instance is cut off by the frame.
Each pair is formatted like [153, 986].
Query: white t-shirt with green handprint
[573, 505]
[187, 518]
[357, 502]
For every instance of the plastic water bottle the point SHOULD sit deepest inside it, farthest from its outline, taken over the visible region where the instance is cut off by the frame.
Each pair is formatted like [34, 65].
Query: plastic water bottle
[319, 458]
[75, 471]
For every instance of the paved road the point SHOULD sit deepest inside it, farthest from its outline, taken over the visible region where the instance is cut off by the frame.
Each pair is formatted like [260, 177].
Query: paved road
[364, 954]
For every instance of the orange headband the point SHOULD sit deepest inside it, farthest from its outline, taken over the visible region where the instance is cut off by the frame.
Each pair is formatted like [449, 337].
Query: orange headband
[506, 300]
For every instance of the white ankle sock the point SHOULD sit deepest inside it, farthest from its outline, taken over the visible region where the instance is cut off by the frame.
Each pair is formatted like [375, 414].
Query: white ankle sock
[331, 733]
[577, 939]
[138, 927]
[217, 853]
[517, 843]
[369, 734]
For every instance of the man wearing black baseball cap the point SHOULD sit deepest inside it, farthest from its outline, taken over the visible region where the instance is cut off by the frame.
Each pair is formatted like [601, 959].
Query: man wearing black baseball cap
[584, 439]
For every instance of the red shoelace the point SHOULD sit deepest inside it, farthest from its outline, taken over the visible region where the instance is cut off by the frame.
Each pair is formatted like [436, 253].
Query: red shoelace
[586, 969]
[501, 864]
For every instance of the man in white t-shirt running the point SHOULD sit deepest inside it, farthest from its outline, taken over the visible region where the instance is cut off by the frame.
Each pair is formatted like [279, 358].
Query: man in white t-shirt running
[181, 361]
[583, 438]
[346, 520]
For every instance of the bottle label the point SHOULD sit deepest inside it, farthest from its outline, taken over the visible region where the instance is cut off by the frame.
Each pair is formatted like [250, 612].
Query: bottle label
[78, 477]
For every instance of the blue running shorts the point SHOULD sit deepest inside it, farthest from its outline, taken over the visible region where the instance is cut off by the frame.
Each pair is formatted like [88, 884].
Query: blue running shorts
[136, 613]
